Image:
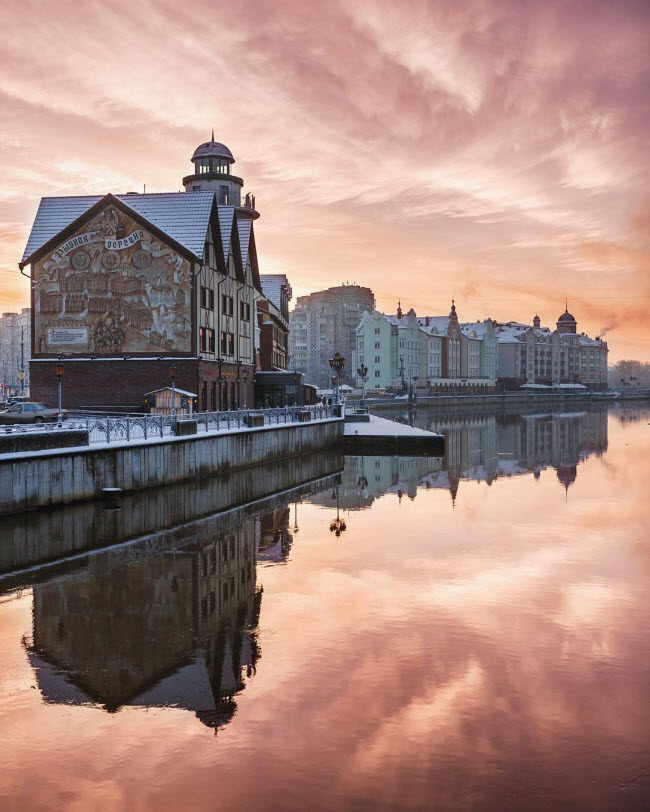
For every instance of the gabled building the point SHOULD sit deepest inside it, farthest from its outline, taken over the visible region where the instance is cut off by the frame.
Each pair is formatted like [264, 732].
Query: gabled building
[423, 353]
[478, 350]
[273, 322]
[126, 286]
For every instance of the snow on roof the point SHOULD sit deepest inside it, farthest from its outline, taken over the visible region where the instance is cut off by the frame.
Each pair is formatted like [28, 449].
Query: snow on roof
[169, 389]
[272, 284]
[473, 331]
[226, 217]
[437, 324]
[585, 341]
[182, 216]
[244, 227]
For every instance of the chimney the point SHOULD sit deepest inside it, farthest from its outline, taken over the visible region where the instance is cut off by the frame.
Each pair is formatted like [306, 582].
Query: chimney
[426, 321]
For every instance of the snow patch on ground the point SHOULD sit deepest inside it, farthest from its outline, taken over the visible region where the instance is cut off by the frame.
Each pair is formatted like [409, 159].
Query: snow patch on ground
[381, 427]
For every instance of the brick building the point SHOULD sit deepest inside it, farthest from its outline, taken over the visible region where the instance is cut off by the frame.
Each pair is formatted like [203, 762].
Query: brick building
[126, 286]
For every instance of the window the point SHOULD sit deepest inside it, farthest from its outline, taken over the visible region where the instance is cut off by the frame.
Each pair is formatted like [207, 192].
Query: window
[207, 298]
[377, 331]
[377, 373]
[377, 359]
[196, 188]
[377, 345]
[223, 195]
[227, 343]
[244, 311]
[206, 339]
[227, 305]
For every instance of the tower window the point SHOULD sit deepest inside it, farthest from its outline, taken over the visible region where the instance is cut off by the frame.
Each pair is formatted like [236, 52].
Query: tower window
[196, 188]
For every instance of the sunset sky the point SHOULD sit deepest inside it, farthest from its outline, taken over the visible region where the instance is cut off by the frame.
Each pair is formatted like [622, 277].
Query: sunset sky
[492, 151]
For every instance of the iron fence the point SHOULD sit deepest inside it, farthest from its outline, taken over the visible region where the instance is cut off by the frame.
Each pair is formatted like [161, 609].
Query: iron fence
[118, 428]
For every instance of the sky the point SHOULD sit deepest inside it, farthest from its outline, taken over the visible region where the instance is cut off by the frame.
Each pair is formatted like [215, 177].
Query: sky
[496, 152]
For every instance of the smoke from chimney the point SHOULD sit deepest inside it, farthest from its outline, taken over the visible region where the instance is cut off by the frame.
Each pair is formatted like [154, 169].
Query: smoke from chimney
[608, 328]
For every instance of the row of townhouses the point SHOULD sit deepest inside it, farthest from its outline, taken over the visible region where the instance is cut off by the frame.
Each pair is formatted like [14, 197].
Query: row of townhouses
[430, 353]
[425, 352]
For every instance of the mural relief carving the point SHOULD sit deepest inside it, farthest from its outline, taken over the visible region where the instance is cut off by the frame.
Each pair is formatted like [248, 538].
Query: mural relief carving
[112, 288]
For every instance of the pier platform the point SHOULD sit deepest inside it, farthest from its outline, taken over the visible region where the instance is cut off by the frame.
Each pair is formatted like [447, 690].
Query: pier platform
[377, 435]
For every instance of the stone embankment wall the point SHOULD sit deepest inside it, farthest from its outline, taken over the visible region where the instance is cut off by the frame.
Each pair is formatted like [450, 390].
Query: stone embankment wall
[64, 536]
[492, 399]
[49, 478]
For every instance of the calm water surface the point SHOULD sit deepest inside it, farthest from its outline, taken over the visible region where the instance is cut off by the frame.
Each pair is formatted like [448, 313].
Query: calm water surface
[464, 633]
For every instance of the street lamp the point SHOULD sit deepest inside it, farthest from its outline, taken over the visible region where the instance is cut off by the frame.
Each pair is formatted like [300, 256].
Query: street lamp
[172, 372]
[362, 372]
[59, 376]
[415, 387]
[337, 365]
[337, 526]
[296, 377]
[245, 374]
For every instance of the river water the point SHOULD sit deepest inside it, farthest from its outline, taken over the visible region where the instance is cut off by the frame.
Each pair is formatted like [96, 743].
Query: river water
[471, 632]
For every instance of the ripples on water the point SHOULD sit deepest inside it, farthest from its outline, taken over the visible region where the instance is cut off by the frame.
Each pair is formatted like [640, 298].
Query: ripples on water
[416, 633]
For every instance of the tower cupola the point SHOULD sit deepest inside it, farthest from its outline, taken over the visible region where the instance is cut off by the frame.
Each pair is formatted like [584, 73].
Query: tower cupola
[213, 172]
[567, 323]
[536, 321]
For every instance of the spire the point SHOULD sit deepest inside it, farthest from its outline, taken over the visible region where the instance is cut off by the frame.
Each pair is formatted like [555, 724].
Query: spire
[399, 309]
[452, 312]
[566, 304]
[212, 139]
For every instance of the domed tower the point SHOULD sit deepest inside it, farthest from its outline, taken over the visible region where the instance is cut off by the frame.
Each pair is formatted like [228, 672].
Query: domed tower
[536, 321]
[213, 172]
[566, 323]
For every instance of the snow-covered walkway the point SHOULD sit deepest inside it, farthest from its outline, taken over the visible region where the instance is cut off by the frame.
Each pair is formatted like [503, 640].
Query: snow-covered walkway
[381, 427]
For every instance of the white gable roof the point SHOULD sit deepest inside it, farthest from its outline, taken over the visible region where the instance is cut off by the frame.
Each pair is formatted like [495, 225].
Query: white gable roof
[182, 216]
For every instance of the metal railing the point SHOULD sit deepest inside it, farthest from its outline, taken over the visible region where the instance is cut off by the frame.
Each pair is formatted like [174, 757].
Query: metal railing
[118, 428]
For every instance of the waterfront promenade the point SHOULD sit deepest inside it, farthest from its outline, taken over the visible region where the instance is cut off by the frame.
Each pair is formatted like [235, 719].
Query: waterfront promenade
[37, 479]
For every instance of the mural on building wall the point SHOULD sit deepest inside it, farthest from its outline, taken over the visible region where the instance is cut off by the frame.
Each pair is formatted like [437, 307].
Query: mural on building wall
[112, 288]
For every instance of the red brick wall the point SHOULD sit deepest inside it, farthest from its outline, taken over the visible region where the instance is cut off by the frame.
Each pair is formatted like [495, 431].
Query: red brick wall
[107, 383]
[125, 383]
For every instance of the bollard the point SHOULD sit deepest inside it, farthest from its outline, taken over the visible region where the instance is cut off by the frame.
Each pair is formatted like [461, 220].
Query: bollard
[111, 498]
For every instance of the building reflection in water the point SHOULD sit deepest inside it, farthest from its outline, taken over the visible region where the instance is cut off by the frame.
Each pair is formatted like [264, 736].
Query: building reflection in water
[171, 619]
[167, 621]
[482, 448]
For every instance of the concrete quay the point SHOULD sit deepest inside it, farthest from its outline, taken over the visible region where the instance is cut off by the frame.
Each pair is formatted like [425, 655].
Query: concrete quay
[41, 479]
[369, 434]
[60, 539]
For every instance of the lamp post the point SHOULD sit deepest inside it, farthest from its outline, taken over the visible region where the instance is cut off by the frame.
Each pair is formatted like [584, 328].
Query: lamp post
[296, 376]
[337, 365]
[172, 372]
[245, 374]
[362, 372]
[59, 377]
[415, 388]
[22, 360]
